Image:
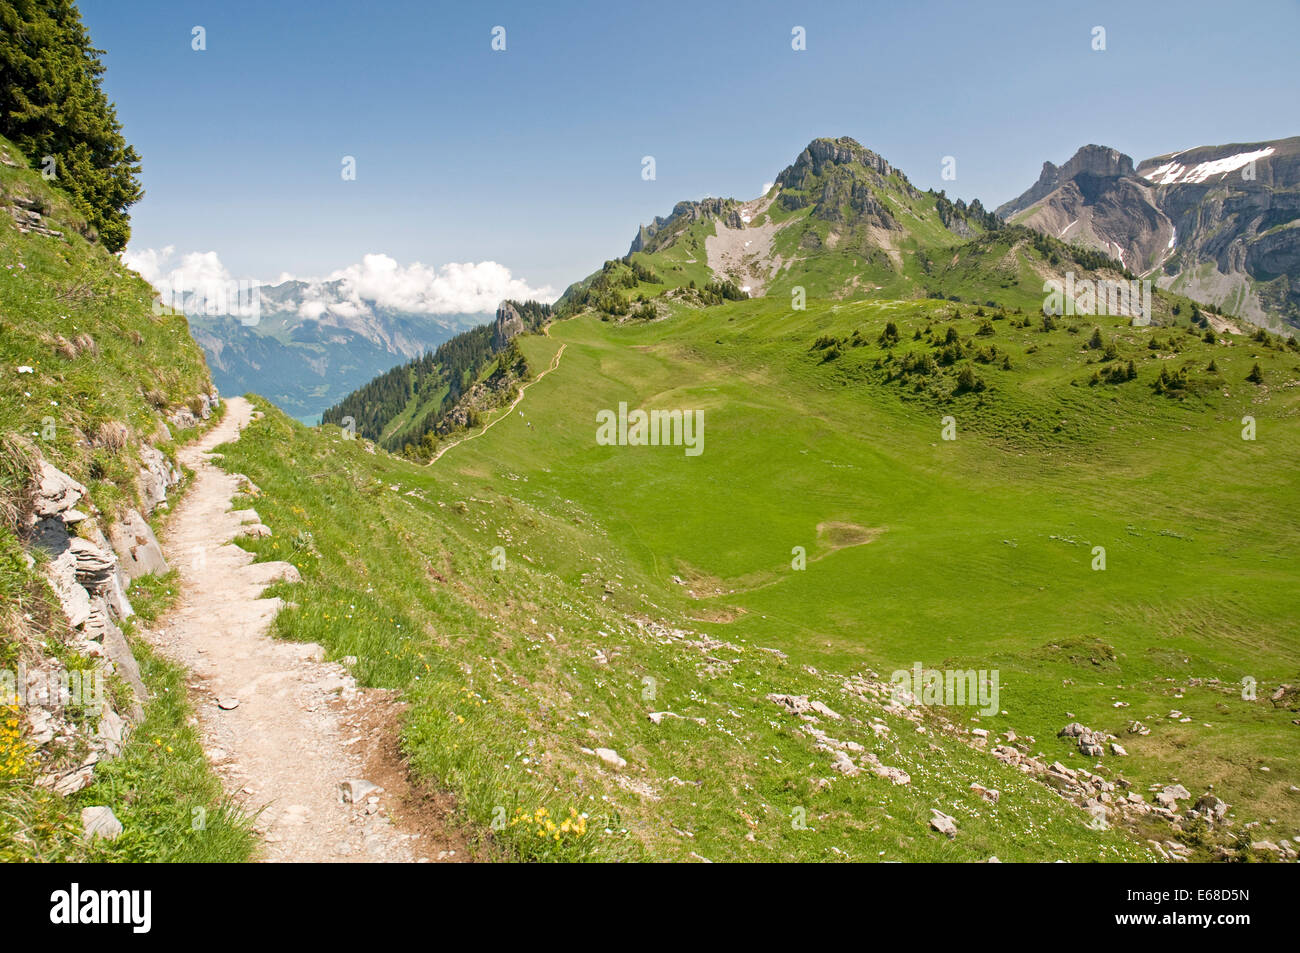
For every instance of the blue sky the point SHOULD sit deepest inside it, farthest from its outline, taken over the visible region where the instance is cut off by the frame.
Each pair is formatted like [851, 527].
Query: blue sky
[531, 157]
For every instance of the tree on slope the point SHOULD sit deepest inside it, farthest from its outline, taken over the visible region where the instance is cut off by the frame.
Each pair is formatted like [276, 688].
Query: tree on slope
[52, 107]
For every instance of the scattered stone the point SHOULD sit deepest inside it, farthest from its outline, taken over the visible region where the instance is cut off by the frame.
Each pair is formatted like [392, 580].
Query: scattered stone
[100, 821]
[889, 773]
[1286, 696]
[228, 704]
[1090, 741]
[611, 758]
[942, 823]
[356, 790]
[841, 762]
[988, 794]
[800, 705]
[1118, 749]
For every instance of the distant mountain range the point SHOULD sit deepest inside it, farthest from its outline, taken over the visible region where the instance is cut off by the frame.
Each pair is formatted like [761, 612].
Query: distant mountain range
[308, 363]
[1220, 224]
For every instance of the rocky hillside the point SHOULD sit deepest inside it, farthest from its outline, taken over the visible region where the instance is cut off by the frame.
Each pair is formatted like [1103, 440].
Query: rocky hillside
[97, 387]
[1215, 223]
[840, 221]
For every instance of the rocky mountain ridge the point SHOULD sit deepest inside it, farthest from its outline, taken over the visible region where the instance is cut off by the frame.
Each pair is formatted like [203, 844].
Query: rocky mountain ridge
[1220, 224]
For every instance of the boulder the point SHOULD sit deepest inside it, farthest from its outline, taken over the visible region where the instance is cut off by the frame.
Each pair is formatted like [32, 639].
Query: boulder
[111, 731]
[1211, 807]
[68, 783]
[100, 822]
[1170, 795]
[942, 823]
[94, 567]
[888, 772]
[113, 591]
[136, 546]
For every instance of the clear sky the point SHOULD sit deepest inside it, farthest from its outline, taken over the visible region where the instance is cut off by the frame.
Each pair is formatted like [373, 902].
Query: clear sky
[532, 157]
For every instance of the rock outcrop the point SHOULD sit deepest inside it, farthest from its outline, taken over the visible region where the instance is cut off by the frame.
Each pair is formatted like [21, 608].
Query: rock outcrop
[508, 324]
[90, 585]
[199, 408]
[1092, 161]
[137, 547]
[839, 179]
[684, 215]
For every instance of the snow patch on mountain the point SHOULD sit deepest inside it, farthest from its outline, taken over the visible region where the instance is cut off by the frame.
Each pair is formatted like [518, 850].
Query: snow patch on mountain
[1175, 173]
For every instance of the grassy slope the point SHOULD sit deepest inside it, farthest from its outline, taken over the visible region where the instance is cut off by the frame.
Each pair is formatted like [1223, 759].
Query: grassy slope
[982, 561]
[51, 290]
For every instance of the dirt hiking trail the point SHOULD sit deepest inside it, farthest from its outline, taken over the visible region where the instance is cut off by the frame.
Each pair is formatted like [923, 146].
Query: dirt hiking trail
[283, 729]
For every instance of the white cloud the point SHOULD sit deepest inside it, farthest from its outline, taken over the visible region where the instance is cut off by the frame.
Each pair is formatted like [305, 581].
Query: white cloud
[455, 288]
[197, 284]
[377, 281]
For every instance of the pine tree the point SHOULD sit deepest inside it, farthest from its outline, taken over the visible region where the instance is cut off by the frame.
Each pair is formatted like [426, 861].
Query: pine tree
[52, 105]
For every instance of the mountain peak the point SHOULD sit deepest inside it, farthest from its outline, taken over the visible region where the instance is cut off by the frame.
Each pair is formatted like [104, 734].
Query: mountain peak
[1090, 160]
[824, 152]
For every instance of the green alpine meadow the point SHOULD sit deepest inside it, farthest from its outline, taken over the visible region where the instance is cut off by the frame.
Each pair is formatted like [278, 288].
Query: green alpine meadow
[431, 435]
